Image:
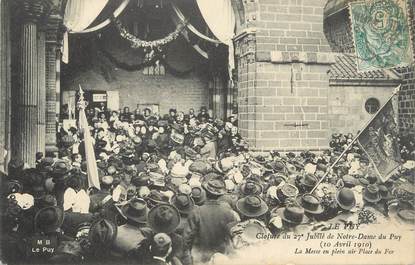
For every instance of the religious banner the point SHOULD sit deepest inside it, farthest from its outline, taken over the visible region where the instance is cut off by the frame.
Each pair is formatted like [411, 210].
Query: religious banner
[380, 140]
[381, 34]
[92, 169]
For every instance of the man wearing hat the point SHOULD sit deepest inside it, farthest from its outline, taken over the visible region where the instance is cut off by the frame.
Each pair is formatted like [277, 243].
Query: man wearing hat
[287, 218]
[161, 251]
[208, 225]
[165, 218]
[100, 197]
[135, 232]
[311, 205]
[185, 204]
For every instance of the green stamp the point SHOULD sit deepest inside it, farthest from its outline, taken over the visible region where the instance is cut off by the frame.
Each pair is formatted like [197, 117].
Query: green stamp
[381, 34]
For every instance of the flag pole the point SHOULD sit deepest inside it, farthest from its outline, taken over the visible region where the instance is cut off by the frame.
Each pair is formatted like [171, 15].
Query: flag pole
[395, 91]
[92, 170]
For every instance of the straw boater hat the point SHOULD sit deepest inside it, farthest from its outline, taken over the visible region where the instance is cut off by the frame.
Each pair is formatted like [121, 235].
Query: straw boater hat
[135, 210]
[287, 191]
[345, 199]
[164, 218]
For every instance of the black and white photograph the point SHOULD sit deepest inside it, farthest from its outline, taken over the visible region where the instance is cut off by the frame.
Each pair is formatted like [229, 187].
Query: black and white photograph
[207, 132]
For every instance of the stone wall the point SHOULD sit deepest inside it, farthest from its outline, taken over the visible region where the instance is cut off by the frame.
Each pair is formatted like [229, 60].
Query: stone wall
[407, 94]
[346, 106]
[283, 88]
[136, 88]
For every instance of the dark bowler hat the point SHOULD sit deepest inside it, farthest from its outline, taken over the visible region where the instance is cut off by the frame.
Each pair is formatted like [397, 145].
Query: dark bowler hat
[292, 214]
[135, 210]
[310, 203]
[371, 193]
[48, 219]
[102, 233]
[251, 188]
[345, 198]
[198, 195]
[184, 203]
[215, 187]
[164, 218]
[251, 206]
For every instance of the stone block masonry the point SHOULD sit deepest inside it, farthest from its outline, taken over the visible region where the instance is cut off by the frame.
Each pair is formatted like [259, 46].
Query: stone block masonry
[407, 93]
[283, 93]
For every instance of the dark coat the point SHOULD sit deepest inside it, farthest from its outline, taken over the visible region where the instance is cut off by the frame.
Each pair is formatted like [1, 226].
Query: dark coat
[207, 228]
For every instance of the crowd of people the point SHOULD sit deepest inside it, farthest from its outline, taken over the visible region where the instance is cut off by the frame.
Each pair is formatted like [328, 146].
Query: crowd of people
[183, 189]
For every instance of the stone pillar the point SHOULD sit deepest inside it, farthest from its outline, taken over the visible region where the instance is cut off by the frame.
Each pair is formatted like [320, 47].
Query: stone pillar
[26, 110]
[5, 81]
[41, 102]
[245, 53]
[52, 58]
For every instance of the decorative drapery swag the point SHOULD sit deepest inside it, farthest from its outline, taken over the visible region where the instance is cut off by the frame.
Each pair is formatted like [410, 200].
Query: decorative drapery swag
[79, 14]
[138, 43]
[219, 16]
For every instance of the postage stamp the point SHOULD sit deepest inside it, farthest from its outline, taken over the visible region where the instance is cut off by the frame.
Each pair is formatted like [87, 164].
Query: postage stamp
[381, 34]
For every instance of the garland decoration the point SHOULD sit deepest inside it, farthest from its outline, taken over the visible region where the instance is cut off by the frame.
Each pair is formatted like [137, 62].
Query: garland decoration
[138, 43]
